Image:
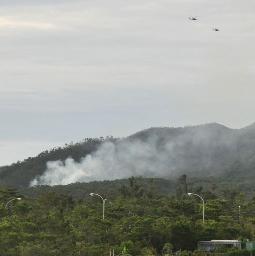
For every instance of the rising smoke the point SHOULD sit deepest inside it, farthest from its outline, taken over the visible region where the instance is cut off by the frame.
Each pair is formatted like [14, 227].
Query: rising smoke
[161, 153]
[111, 161]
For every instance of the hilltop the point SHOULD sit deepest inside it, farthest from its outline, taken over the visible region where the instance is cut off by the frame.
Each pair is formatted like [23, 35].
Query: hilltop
[210, 150]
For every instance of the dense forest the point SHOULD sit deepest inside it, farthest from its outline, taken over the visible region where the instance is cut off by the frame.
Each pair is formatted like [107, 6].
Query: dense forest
[146, 215]
[138, 221]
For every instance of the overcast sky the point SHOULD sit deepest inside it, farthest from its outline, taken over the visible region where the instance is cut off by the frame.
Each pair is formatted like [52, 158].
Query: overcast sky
[88, 68]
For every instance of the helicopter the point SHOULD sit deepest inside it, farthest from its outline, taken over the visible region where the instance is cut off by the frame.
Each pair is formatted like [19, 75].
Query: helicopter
[216, 29]
[193, 18]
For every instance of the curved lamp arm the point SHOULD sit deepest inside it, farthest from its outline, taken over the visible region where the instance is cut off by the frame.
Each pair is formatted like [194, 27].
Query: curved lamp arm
[103, 199]
[193, 194]
[94, 194]
[203, 201]
[13, 199]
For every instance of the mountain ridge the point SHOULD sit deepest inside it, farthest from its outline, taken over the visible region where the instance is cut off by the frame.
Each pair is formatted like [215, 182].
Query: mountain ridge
[203, 150]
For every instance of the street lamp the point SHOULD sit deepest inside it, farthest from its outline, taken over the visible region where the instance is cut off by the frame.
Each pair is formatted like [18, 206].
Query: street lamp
[13, 199]
[203, 201]
[103, 200]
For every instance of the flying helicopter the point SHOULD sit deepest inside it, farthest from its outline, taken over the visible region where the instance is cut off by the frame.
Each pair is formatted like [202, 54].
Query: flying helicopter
[193, 18]
[216, 29]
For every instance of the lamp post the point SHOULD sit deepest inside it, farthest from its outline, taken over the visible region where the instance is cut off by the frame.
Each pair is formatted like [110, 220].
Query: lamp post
[103, 200]
[203, 201]
[239, 213]
[7, 204]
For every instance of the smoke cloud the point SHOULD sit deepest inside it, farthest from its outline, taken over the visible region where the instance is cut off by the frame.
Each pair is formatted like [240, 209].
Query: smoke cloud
[111, 161]
[161, 152]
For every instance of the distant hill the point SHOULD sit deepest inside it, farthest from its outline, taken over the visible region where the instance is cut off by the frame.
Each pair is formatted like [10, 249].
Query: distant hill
[21, 173]
[199, 151]
[208, 150]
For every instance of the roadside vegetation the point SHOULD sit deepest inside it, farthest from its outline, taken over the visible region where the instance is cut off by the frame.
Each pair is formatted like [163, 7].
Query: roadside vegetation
[138, 222]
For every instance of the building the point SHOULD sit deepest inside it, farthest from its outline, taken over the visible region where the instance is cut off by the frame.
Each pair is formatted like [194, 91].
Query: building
[217, 245]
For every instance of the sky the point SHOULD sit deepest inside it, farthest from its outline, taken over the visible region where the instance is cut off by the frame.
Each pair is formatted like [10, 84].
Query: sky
[89, 68]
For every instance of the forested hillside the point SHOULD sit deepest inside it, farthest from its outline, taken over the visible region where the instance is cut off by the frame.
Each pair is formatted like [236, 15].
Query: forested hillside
[201, 151]
[21, 173]
[80, 191]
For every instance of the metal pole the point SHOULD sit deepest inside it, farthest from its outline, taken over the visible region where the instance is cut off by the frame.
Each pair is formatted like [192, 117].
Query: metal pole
[103, 200]
[203, 211]
[239, 212]
[103, 207]
[203, 203]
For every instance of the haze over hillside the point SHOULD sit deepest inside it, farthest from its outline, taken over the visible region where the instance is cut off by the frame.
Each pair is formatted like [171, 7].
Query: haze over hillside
[199, 151]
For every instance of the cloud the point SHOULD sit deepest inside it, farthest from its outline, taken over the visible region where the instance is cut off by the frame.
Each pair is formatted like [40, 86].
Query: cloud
[132, 64]
[22, 149]
[10, 23]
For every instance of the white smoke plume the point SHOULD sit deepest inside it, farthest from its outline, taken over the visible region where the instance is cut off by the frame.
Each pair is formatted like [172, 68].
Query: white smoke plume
[111, 161]
[163, 153]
